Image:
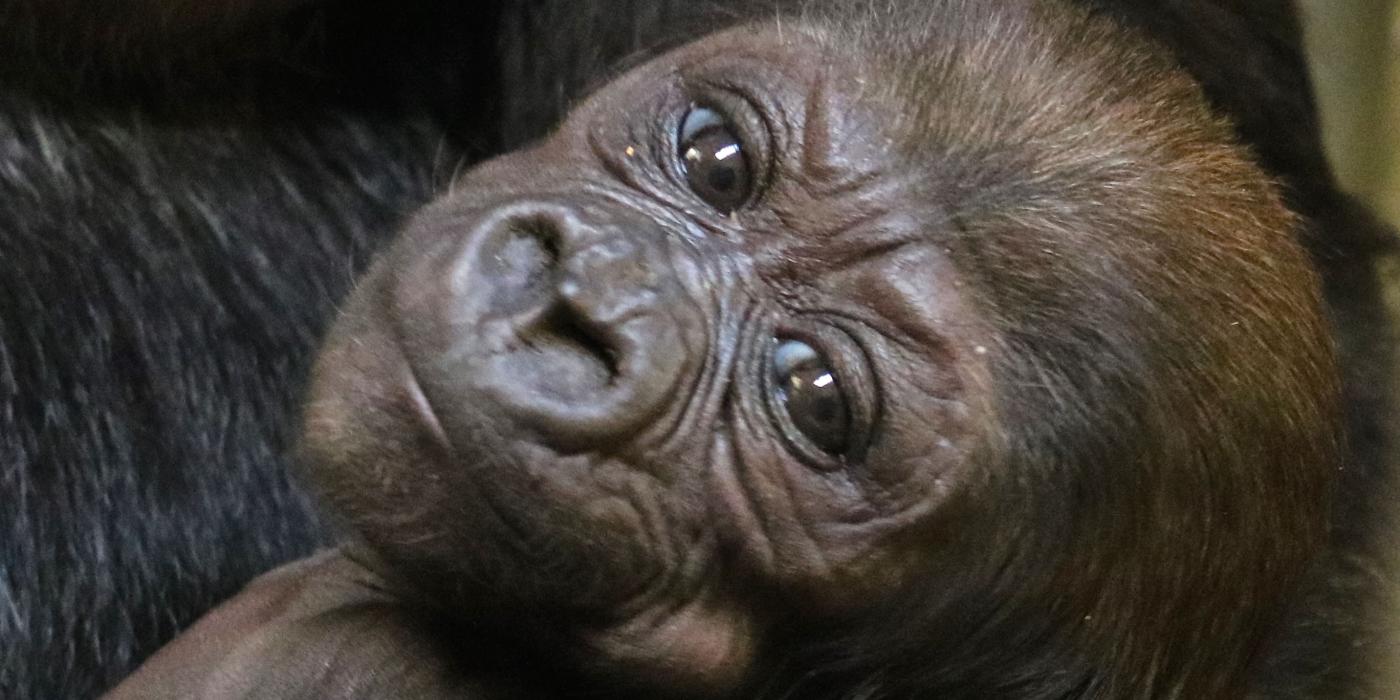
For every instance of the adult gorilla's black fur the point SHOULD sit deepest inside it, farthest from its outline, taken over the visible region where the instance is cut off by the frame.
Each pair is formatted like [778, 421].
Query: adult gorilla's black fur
[168, 261]
[173, 236]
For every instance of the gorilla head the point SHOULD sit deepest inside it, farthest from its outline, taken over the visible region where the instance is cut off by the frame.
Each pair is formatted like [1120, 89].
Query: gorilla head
[954, 349]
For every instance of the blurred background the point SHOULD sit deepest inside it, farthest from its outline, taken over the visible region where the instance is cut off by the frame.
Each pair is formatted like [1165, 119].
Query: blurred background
[1354, 46]
[1355, 51]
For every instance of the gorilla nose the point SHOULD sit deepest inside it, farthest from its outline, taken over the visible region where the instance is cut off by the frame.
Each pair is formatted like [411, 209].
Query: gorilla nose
[574, 331]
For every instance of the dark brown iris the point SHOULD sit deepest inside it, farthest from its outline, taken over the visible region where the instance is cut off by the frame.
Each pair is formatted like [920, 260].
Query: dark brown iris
[808, 389]
[712, 154]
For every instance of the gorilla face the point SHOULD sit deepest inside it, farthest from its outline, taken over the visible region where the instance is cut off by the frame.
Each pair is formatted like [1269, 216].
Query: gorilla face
[961, 340]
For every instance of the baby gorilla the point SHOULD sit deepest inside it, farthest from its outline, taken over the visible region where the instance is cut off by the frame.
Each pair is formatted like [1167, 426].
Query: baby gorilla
[946, 352]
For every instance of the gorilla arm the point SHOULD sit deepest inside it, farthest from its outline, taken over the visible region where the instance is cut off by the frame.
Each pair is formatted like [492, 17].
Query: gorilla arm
[322, 627]
[131, 48]
[119, 24]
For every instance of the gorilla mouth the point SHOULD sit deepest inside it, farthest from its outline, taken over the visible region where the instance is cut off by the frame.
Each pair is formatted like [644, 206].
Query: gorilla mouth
[557, 369]
[567, 341]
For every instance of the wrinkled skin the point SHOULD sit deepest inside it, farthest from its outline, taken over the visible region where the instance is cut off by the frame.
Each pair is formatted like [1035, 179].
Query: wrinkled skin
[1090, 405]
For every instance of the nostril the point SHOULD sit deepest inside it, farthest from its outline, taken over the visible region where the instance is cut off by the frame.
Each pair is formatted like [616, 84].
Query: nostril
[521, 261]
[539, 230]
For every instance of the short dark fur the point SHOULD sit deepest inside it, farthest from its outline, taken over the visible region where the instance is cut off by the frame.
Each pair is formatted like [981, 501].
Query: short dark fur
[163, 287]
[144, 396]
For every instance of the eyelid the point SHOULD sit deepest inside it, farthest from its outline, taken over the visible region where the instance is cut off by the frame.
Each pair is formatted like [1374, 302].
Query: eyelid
[691, 126]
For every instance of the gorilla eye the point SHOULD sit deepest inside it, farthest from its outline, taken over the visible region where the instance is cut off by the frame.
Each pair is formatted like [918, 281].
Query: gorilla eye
[806, 388]
[712, 154]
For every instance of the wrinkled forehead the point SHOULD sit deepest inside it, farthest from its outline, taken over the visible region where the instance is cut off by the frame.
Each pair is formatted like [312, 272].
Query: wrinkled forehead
[780, 52]
[1014, 94]
[970, 65]
[979, 102]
